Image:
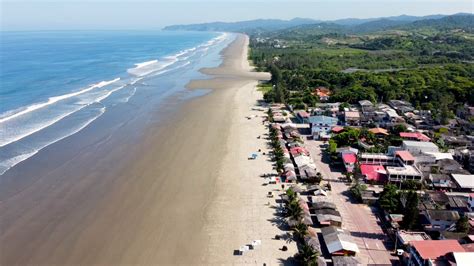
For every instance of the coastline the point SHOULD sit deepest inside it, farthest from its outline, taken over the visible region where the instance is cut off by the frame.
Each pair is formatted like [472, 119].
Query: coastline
[150, 202]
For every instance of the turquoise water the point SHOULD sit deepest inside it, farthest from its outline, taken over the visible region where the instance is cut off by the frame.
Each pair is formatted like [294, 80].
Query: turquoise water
[54, 84]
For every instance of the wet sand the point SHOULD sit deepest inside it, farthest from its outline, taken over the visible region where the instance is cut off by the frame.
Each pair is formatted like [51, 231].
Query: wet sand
[151, 202]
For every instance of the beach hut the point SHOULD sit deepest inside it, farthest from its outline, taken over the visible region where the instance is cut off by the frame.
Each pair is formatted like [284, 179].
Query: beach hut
[339, 242]
[290, 175]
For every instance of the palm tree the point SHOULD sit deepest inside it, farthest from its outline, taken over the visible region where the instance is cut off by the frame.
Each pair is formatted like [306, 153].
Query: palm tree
[300, 231]
[294, 210]
[307, 255]
[291, 194]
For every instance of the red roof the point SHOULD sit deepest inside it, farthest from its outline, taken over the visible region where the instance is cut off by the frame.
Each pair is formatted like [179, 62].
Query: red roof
[303, 114]
[433, 249]
[337, 129]
[414, 135]
[349, 157]
[322, 92]
[379, 130]
[299, 150]
[373, 172]
[405, 155]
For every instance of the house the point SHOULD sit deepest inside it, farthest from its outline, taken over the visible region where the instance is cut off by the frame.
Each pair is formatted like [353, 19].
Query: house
[379, 132]
[403, 173]
[405, 237]
[428, 252]
[464, 182]
[349, 159]
[415, 136]
[328, 217]
[302, 117]
[441, 181]
[352, 118]
[337, 129]
[418, 147]
[440, 220]
[405, 157]
[458, 203]
[374, 173]
[462, 258]
[377, 159]
[401, 106]
[321, 126]
[323, 93]
[339, 242]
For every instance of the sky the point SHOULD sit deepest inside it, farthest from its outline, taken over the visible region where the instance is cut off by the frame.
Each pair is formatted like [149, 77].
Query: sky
[155, 14]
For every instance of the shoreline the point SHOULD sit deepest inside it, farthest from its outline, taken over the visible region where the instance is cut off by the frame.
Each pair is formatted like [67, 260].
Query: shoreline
[136, 204]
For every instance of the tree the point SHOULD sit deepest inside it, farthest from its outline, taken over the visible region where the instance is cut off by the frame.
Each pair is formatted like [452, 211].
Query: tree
[399, 128]
[291, 194]
[294, 210]
[356, 190]
[462, 225]
[307, 255]
[411, 212]
[300, 231]
[411, 185]
[388, 199]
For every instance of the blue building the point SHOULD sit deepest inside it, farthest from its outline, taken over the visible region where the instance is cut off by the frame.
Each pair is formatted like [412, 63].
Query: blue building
[321, 126]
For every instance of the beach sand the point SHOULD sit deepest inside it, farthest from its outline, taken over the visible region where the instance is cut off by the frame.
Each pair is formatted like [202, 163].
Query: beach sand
[185, 194]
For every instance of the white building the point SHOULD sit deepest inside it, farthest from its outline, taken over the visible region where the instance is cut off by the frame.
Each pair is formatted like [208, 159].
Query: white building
[418, 147]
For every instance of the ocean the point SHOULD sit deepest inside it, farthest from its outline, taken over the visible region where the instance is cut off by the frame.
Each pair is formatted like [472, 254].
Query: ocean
[55, 84]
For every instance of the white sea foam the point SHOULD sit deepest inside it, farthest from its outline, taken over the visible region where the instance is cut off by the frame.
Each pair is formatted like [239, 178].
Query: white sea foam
[85, 97]
[55, 99]
[9, 163]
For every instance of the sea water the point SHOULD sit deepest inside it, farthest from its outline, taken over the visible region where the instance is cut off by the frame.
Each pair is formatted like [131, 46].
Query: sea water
[54, 84]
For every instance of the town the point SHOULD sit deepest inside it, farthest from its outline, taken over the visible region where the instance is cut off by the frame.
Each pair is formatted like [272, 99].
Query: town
[374, 183]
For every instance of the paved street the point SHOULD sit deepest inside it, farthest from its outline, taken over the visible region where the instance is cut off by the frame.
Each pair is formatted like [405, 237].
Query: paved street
[358, 219]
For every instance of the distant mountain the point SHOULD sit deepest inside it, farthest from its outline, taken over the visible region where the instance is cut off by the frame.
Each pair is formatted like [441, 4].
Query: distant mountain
[377, 25]
[265, 25]
[250, 25]
[463, 21]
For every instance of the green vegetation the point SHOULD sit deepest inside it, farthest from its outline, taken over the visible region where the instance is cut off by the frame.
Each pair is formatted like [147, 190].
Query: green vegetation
[411, 212]
[462, 225]
[356, 191]
[429, 66]
[307, 255]
[389, 199]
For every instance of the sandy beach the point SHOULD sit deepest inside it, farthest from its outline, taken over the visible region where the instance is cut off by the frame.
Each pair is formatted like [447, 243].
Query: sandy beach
[185, 194]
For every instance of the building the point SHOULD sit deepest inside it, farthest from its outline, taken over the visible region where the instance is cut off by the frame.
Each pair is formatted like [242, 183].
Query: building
[352, 118]
[339, 242]
[428, 252]
[321, 126]
[405, 157]
[323, 93]
[380, 132]
[349, 159]
[441, 181]
[415, 136]
[377, 159]
[302, 117]
[401, 106]
[373, 173]
[418, 147]
[403, 173]
[440, 220]
[464, 182]
[406, 237]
